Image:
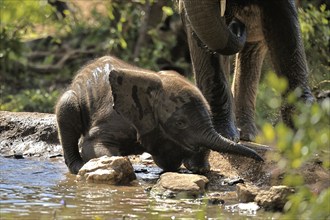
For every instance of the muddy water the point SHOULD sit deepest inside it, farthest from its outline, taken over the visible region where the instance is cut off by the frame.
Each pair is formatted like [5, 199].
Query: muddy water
[32, 189]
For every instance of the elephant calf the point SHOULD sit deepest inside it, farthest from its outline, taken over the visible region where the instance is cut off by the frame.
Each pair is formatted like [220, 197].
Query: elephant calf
[113, 108]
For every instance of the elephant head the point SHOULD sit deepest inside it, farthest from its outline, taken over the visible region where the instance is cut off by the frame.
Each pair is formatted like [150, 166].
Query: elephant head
[166, 106]
[206, 20]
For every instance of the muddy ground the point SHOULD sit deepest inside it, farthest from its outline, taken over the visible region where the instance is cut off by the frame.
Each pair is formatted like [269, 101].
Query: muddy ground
[26, 134]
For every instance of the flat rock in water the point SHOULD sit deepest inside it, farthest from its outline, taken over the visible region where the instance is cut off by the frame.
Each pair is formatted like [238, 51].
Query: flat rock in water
[174, 185]
[110, 170]
[274, 198]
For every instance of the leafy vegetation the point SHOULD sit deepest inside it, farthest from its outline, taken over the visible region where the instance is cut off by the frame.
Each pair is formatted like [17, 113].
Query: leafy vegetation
[30, 100]
[40, 50]
[316, 35]
[308, 144]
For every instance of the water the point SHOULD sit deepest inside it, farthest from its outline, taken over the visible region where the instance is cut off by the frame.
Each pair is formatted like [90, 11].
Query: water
[36, 189]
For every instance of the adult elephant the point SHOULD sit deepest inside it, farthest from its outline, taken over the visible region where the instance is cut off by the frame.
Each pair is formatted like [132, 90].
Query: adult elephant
[249, 27]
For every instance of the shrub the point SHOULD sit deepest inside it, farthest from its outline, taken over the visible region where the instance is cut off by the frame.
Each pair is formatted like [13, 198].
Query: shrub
[316, 36]
[295, 148]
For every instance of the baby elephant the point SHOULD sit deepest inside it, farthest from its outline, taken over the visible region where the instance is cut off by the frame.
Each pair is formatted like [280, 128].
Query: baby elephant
[113, 108]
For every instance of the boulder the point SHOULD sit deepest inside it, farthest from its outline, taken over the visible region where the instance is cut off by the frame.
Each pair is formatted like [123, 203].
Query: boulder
[177, 185]
[246, 192]
[109, 170]
[28, 134]
[274, 198]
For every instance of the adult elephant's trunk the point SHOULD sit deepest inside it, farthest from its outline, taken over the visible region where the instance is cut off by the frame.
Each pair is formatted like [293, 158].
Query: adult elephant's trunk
[216, 142]
[211, 28]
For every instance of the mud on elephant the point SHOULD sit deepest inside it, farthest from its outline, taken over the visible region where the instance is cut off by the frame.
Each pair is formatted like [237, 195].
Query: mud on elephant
[113, 108]
[249, 28]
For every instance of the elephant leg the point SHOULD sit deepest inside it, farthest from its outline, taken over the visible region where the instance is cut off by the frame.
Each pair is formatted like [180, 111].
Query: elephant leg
[94, 149]
[283, 37]
[95, 145]
[245, 86]
[168, 162]
[166, 154]
[70, 128]
[198, 163]
[211, 80]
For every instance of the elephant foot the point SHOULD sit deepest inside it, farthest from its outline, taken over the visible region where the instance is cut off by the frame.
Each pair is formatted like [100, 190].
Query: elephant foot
[228, 130]
[287, 110]
[75, 166]
[198, 163]
[169, 164]
[248, 132]
[197, 168]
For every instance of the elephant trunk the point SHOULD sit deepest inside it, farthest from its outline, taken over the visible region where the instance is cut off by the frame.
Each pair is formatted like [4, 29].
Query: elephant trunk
[216, 142]
[211, 28]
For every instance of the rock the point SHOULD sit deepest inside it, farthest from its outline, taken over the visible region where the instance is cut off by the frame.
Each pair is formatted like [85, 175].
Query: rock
[274, 198]
[28, 134]
[110, 170]
[177, 185]
[246, 192]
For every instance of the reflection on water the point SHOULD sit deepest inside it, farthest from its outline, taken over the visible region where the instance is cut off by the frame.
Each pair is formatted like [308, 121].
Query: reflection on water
[31, 189]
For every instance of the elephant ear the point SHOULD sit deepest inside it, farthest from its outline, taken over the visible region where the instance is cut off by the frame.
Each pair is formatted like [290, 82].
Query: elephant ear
[134, 92]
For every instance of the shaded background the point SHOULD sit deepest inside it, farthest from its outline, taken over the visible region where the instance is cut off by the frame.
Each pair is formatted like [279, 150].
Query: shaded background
[44, 42]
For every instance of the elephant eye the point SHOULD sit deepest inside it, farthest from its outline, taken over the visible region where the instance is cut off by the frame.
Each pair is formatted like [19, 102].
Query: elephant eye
[181, 124]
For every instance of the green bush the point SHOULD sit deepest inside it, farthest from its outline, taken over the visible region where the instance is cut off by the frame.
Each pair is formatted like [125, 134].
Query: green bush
[311, 140]
[116, 31]
[316, 36]
[295, 148]
[30, 100]
[18, 20]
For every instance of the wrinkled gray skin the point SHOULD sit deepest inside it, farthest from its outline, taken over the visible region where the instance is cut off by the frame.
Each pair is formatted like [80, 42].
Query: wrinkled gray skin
[254, 26]
[113, 108]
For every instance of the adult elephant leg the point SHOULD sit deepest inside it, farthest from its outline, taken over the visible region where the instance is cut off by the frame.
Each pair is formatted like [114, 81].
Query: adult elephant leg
[211, 80]
[245, 86]
[281, 29]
